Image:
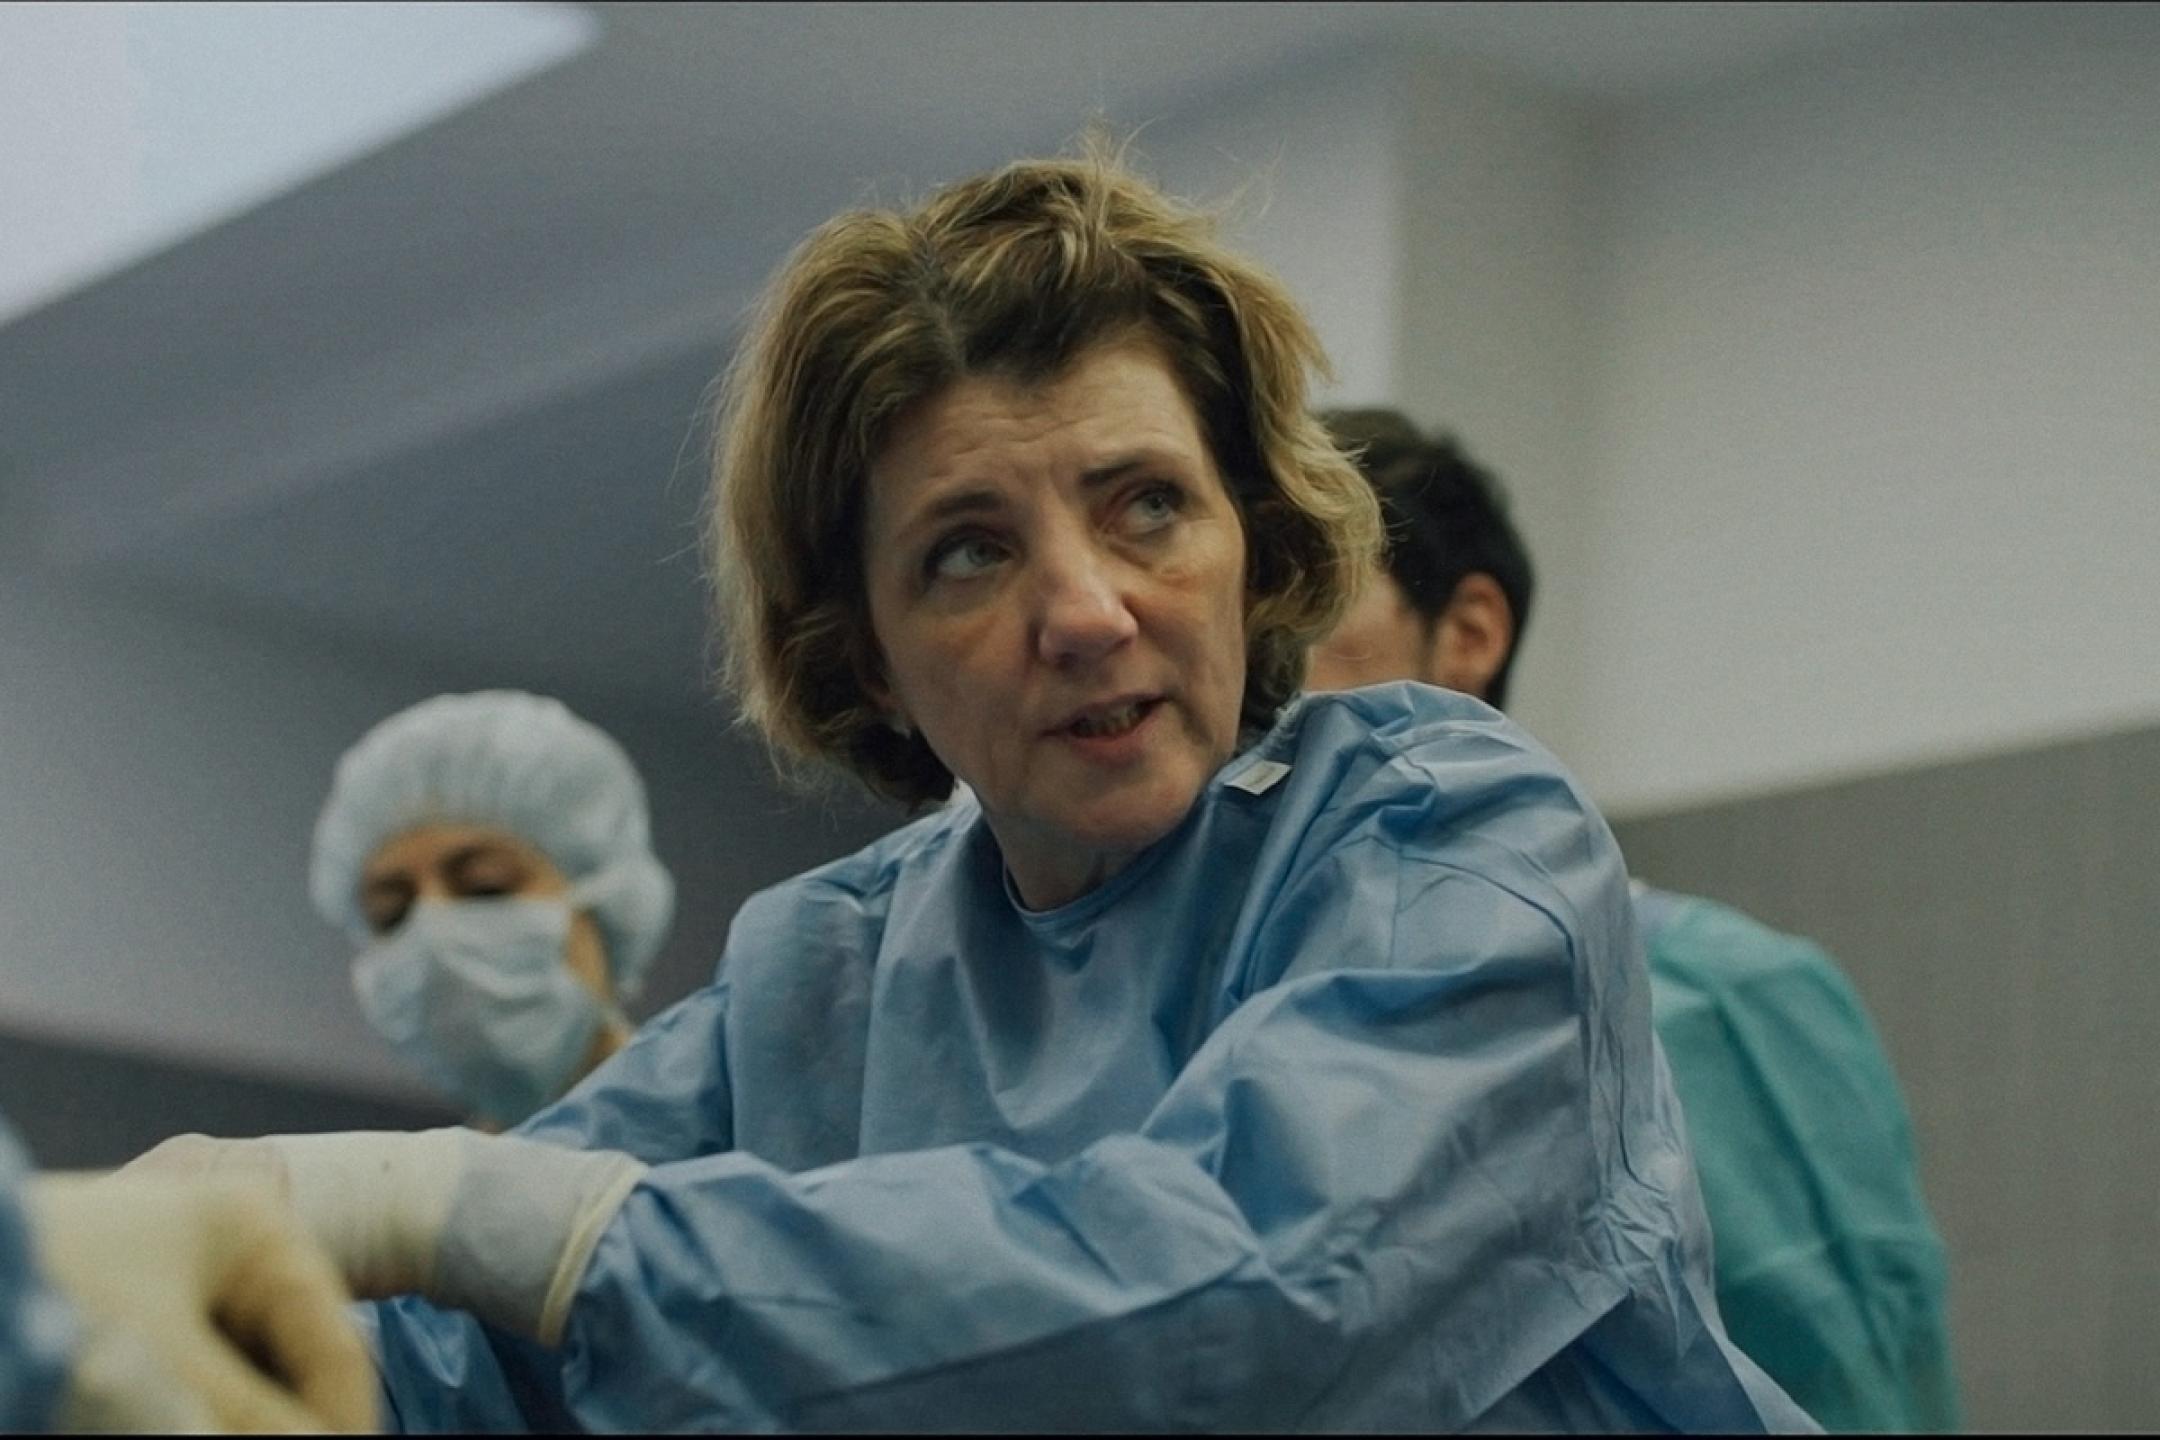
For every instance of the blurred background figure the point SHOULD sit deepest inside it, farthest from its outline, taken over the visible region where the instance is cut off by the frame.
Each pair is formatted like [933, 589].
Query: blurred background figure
[491, 856]
[1829, 1271]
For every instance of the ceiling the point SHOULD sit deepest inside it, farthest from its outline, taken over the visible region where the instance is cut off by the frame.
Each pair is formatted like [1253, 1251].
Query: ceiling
[442, 400]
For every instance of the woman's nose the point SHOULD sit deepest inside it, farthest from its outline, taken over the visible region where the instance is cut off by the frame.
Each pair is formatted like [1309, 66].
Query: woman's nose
[1082, 613]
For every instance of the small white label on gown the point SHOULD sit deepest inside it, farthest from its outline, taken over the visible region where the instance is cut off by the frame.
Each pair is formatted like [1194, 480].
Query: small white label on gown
[1260, 777]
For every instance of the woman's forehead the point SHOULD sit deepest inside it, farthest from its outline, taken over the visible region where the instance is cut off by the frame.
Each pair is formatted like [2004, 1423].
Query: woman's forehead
[1114, 404]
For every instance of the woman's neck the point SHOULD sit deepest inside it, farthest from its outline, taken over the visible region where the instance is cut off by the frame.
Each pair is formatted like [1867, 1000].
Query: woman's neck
[1047, 886]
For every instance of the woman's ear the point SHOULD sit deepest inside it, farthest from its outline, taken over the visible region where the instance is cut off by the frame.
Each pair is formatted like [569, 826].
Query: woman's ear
[870, 675]
[1472, 638]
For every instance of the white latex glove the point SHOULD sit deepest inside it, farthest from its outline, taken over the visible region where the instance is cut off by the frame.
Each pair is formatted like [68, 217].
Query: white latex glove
[494, 1224]
[204, 1307]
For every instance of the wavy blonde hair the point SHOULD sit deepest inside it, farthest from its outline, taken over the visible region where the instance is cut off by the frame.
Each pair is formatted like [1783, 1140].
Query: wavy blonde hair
[1010, 274]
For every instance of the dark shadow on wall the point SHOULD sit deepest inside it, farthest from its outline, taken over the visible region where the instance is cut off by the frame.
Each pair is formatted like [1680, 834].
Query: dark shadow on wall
[83, 1107]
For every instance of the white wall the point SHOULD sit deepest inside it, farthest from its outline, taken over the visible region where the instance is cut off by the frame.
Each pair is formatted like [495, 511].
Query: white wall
[1313, 161]
[1492, 334]
[1877, 402]
[159, 778]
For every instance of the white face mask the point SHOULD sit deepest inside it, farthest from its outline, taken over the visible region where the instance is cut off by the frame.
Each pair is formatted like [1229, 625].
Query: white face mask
[477, 996]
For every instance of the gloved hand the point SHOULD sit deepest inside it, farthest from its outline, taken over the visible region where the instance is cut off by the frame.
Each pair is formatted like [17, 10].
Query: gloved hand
[203, 1306]
[377, 1209]
[495, 1224]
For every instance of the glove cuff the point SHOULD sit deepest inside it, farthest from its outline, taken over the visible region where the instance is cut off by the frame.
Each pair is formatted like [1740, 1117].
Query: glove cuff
[523, 1225]
[495, 1224]
[377, 1201]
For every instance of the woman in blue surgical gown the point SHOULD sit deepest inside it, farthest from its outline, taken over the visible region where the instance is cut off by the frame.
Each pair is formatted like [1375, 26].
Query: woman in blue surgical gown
[1214, 1060]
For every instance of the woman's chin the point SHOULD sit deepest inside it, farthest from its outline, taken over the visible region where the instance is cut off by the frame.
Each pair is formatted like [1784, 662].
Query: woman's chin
[1125, 821]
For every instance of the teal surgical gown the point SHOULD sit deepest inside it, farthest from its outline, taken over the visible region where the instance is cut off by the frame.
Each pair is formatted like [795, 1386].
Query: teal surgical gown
[36, 1330]
[1829, 1271]
[1338, 1108]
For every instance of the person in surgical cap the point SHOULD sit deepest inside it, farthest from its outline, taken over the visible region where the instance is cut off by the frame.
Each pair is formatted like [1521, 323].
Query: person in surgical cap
[1221, 1060]
[490, 853]
[1829, 1271]
[155, 1305]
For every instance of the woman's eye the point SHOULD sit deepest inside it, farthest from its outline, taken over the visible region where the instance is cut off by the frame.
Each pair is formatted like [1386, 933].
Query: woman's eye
[1156, 506]
[962, 558]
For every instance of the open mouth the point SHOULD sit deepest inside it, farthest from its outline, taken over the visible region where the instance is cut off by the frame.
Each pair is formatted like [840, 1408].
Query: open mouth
[1112, 720]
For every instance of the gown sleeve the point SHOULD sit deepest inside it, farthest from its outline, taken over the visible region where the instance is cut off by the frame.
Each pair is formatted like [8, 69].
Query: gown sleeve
[36, 1327]
[1424, 1152]
[662, 1097]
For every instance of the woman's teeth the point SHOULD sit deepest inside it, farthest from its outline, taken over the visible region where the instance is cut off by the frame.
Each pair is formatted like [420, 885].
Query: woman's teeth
[1109, 722]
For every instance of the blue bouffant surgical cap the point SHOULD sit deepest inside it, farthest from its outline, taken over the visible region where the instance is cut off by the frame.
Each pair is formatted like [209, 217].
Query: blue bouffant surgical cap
[521, 763]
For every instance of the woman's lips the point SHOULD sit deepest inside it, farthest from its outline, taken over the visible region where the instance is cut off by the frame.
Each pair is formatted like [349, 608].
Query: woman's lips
[1111, 732]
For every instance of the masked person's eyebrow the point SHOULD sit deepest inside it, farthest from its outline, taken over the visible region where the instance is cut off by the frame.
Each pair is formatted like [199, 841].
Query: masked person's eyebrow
[487, 860]
[395, 887]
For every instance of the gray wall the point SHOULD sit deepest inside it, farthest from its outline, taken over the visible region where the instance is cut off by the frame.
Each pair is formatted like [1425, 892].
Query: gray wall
[84, 1107]
[2001, 919]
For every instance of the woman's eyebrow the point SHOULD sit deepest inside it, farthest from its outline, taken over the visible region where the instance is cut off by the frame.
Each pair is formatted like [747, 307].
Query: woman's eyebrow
[1114, 471]
[955, 503]
[1172, 460]
[983, 499]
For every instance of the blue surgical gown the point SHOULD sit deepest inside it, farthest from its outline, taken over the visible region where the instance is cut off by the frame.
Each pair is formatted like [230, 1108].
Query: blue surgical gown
[36, 1328]
[1829, 1271]
[1338, 1108]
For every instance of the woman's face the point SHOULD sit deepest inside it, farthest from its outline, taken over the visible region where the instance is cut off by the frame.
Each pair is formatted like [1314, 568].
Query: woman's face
[471, 862]
[1056, 576]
